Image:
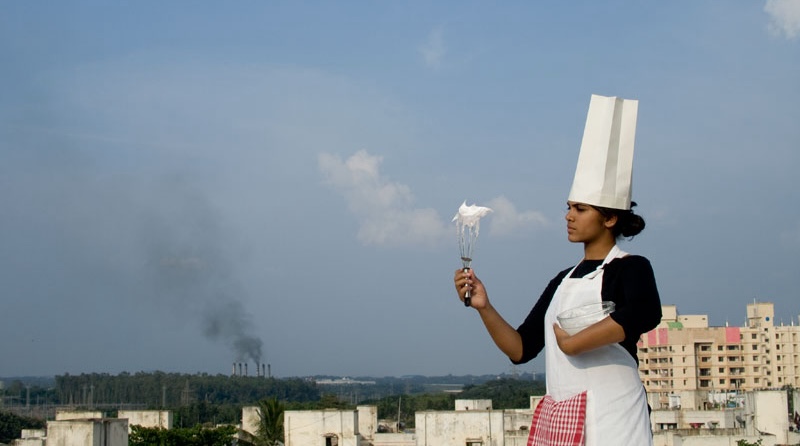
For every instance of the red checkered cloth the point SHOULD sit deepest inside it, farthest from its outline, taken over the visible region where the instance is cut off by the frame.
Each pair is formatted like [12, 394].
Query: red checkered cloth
[559, 423]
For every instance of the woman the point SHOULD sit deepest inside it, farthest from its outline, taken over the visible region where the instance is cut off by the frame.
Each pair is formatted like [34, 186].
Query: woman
[596, 369]
[600, 359]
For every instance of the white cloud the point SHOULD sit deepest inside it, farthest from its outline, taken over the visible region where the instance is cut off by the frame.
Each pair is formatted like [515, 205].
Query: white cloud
[506, 220]
[784, 17]
[433, 50]
[384, 209]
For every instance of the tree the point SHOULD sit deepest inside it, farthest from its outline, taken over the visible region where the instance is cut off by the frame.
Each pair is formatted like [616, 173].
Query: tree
[270, 426]
[194, 436]
[11, 426]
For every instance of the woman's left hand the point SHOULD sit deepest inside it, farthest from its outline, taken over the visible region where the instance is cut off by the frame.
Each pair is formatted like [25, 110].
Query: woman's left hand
[562, 338]
[605, 332]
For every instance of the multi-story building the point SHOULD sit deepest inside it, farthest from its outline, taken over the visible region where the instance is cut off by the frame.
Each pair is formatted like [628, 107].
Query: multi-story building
[684, 361]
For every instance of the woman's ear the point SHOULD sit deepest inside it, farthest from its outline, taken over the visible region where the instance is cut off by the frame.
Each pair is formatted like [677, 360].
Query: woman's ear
[610, 221]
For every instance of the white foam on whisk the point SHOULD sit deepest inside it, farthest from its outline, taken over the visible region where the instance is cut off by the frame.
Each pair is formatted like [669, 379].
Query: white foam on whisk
[470, 216]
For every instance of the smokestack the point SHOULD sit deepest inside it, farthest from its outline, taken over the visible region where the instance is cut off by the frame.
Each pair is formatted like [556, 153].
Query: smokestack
[234, 369]
[269, 368]
[245, 369]
[264, 370]
[240, 369]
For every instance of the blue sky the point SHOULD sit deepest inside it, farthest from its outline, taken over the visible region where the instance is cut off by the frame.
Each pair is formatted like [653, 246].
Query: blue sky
[189, 184]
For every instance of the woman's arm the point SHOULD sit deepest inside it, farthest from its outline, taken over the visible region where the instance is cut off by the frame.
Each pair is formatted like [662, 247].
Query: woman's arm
[504, 335]
[604, 332]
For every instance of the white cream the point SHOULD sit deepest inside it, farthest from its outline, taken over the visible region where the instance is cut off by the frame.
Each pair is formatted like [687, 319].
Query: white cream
[470, 216]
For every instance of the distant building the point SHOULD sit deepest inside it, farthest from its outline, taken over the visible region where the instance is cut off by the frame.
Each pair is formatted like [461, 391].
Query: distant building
[69, 414]
[473, 423]
[684, 356]
[147, 418]
[86, 432]
[760, 417]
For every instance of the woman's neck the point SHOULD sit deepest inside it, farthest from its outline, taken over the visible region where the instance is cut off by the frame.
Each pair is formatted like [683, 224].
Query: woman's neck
[598, 250]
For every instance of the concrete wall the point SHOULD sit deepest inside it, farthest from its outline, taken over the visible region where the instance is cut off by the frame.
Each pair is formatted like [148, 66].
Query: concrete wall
[769, 409]
[63, 414]
[96, 432]
[33, 433]
[250, 419]
[473, 404]
[672, 438]
[689, 419]
[367, 421]
[31, 437]
[311, 427]
[28, 442]
[147, 418]
[517, 420]
[391, 440]
[456, 428]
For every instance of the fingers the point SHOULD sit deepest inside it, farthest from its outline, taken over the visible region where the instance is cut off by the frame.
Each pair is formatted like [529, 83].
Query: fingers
[463, 282]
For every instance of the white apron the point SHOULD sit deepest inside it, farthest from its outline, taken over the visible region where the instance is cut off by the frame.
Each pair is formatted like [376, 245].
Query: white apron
[616, 410]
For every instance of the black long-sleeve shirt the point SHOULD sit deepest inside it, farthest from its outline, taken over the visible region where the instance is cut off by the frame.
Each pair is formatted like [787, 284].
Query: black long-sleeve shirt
[628, 281]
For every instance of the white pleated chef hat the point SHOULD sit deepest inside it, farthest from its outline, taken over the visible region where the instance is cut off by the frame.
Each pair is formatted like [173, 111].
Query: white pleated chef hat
[605, 164]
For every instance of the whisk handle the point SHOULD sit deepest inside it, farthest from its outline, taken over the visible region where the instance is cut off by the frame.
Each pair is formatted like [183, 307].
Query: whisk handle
[468, 294]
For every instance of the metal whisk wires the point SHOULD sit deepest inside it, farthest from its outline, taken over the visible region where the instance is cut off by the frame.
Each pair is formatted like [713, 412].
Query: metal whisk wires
[468, 223]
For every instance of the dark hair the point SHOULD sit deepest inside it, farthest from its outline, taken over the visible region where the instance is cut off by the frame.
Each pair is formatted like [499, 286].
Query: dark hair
[628, 224]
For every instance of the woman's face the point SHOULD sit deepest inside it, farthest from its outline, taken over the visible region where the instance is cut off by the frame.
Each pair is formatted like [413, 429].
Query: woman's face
[585, 224]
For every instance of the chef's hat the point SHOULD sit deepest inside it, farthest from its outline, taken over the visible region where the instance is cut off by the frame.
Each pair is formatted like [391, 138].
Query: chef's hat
[605, 164]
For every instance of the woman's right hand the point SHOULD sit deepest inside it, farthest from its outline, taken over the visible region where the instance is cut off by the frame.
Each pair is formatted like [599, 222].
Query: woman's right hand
[467, 280]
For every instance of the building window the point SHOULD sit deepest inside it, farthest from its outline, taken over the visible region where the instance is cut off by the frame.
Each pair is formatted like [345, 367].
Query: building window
[755, 347]
[474, 443]
[722, 381]
[753, 336]
[722, 370]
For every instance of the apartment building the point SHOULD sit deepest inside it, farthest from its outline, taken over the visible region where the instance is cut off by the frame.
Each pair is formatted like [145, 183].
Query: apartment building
[684, 361]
